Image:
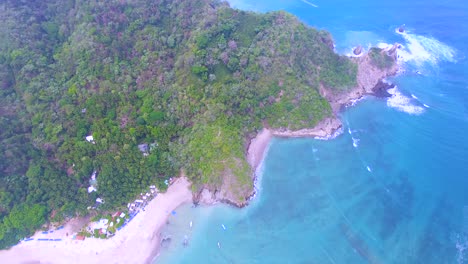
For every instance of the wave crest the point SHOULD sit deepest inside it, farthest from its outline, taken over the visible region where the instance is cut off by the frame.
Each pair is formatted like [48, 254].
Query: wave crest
[403, 103]
[332, 136]
[421, 49]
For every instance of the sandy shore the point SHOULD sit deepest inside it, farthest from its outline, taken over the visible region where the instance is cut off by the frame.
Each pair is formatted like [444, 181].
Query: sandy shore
[136, 243]
[258, 147]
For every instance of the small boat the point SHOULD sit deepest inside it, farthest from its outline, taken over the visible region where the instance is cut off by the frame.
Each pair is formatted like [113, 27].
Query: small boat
[219, 245]
[185, 243]
[223, 226]
[190, 224]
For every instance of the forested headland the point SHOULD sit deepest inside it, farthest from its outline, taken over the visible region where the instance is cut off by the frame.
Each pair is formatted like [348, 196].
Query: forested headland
[192, 79]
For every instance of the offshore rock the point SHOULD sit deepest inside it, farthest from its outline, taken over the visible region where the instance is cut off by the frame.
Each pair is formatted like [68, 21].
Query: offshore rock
[380, 89]
[357, 50]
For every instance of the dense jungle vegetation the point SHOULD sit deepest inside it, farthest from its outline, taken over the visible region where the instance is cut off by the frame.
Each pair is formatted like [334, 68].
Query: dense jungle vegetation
[192, 78]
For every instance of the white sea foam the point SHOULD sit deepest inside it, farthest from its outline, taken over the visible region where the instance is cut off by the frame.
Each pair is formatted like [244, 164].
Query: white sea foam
[259, 175]
[461, 244]
[355, 142]
[355, 101]
[421, 49]
[332, 136]
[383, 45]
[403, 103]
[309, 3]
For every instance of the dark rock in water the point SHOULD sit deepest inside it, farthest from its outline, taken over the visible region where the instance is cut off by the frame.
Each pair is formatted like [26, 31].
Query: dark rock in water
[357, 50]
[393, 49]
[401, 29]
[165, 241]
[380, 89]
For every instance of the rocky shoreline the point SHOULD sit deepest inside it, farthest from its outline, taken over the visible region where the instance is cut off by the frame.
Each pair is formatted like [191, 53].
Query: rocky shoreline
[370, 81]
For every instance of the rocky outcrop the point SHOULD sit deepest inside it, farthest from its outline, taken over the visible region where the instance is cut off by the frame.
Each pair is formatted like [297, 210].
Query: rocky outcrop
[369, 82]
[380, 89]
[232, 188]
[358, 50]
[323, 129]
[401, 29]
[368, 77]
[208, 196]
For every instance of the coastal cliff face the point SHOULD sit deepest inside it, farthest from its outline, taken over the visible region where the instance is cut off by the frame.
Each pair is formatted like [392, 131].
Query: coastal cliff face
[232, 190]
[373, 67]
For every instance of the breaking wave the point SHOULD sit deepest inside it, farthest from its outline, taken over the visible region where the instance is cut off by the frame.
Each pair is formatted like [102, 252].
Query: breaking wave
[421, 49]
[332, 136]
[403, 103]
[355, 142]
[461, 244]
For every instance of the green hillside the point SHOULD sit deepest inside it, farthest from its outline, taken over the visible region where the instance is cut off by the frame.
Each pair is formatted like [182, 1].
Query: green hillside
[191, 78]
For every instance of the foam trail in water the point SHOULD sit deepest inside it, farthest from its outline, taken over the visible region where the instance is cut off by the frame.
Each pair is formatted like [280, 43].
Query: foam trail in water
[461, 244]
[309, 3]
[259, 174]
[355, 142]
[403, 103]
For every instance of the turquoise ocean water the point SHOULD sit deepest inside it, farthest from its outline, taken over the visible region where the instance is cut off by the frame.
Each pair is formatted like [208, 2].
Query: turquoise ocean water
[392, 188]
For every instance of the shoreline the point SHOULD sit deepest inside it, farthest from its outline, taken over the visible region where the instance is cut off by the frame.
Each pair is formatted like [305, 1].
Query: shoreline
[138, 242]
[370, 81]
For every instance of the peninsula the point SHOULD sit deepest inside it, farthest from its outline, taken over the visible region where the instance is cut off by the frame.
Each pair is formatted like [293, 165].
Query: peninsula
[98, 101]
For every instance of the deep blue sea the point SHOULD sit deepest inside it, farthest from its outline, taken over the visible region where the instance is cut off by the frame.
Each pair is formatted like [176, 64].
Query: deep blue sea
[392, 188]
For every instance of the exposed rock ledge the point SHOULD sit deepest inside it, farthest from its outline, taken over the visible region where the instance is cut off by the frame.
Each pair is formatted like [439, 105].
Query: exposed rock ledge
[323, 129]
[369, 82]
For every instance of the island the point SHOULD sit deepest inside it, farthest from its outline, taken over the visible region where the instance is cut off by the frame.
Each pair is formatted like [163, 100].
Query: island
[100, 101]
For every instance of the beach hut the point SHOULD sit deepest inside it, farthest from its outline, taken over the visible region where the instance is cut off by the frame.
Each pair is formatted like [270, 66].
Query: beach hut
[91, 189]
[90, 139]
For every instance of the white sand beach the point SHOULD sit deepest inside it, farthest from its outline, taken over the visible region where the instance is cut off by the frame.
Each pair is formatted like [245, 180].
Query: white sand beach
[136, 243]
[257, 147]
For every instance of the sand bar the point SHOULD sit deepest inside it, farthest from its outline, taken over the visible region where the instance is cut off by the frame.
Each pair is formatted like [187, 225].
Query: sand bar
[136, 243]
